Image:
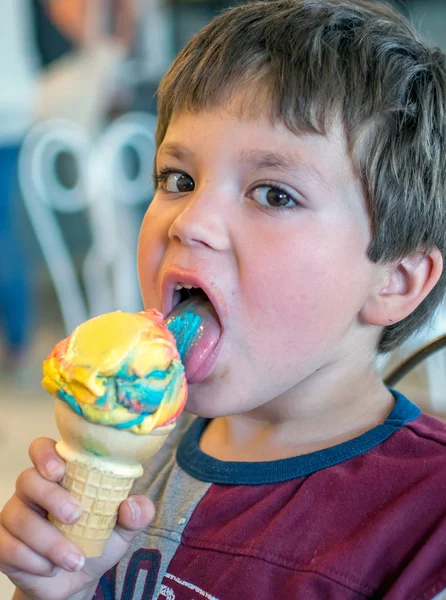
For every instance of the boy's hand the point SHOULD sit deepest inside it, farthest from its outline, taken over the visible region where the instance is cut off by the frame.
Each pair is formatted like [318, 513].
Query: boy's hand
[37, 558]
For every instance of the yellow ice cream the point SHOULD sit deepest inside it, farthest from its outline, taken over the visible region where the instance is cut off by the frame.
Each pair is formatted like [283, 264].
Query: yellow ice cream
[120, 369]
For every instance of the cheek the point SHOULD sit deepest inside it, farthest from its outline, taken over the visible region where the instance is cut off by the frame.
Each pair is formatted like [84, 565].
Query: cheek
[303, 290]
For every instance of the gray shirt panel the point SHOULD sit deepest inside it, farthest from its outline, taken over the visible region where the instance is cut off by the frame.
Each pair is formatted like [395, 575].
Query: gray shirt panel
[175, 495]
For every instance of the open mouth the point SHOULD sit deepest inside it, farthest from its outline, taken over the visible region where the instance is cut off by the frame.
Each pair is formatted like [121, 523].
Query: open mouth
[183, 292]
[195, 324]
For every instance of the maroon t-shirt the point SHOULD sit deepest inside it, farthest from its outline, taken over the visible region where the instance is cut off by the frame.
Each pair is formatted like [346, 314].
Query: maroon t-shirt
[364, 519]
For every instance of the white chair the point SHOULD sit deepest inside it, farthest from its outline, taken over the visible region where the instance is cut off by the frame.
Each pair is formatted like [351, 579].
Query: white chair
[44, 195]
[115, 193]
[107, 192]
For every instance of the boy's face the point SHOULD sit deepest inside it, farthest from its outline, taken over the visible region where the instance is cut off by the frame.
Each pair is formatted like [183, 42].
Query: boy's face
[276, 226]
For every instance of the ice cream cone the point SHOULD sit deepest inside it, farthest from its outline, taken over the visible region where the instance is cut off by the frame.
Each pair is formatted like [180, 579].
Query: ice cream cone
[101, 465]
[120, 386]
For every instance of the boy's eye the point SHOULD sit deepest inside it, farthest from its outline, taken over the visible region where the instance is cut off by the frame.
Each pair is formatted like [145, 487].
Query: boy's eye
[273, 197]
[175, 181]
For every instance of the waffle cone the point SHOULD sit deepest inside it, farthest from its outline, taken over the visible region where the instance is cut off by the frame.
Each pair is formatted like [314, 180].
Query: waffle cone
[101, 466]
[100, 495]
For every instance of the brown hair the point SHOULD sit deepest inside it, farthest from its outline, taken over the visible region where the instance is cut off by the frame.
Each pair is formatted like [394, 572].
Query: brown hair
[355, 60]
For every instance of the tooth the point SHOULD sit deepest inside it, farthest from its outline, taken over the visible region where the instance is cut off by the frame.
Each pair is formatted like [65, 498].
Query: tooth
[185, 286]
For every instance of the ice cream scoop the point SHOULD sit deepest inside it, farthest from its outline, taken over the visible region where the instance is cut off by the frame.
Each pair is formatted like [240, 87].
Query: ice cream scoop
[120, 386]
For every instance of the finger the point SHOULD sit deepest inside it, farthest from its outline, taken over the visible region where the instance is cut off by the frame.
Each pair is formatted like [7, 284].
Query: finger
[135, 513]
[15, 555]
[38, 534]
[44, 457]
[31, 488]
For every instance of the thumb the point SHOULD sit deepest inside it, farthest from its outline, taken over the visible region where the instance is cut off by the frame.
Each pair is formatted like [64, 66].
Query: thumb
[134, 515]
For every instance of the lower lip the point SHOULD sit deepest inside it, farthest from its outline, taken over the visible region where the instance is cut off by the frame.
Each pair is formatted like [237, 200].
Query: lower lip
[205, 369]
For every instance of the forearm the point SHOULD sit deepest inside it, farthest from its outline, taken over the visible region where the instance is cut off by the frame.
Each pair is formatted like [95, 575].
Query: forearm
[84, 21]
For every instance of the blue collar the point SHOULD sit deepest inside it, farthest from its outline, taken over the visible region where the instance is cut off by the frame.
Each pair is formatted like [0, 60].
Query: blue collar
[205, 468]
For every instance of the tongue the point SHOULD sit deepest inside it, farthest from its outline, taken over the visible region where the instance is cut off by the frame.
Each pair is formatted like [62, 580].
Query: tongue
[196, 328]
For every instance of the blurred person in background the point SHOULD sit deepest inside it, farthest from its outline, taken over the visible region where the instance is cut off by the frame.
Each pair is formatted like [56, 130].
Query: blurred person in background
[27, 53]
[82, 85]
[80, 20]
[18, 72]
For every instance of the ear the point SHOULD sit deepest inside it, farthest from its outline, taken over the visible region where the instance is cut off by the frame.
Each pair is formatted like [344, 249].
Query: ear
[402, 287]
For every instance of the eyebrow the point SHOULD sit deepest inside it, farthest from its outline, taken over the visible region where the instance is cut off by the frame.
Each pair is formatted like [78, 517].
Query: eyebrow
[258, 159]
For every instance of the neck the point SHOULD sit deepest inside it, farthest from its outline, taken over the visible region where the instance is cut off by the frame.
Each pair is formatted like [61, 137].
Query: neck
[308, 418]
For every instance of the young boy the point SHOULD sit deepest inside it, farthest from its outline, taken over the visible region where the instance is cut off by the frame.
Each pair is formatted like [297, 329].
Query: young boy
[301, 180]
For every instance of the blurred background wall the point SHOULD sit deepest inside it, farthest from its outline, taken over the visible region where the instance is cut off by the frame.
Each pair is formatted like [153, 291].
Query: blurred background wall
[430, 18]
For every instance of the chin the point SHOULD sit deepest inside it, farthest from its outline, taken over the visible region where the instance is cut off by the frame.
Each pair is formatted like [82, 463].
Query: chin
[203, 401]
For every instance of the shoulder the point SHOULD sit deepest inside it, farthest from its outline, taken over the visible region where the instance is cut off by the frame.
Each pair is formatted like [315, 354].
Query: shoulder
[429, 431]
[410, 464]
[415, 446]
[419, 445]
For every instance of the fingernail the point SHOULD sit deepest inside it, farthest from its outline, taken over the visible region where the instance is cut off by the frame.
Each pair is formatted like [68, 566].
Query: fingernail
[73, 561]
[135, 508]
[52, 467]
[70, 512]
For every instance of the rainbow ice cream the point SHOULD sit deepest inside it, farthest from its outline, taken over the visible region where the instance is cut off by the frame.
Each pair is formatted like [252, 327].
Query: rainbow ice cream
[120, 386]
[119, 369]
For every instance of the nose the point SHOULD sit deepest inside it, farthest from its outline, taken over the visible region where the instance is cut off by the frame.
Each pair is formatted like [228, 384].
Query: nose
[201, 222]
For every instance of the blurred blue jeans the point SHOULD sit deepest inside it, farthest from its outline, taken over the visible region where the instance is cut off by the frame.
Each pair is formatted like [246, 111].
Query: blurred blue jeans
[14, 284]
